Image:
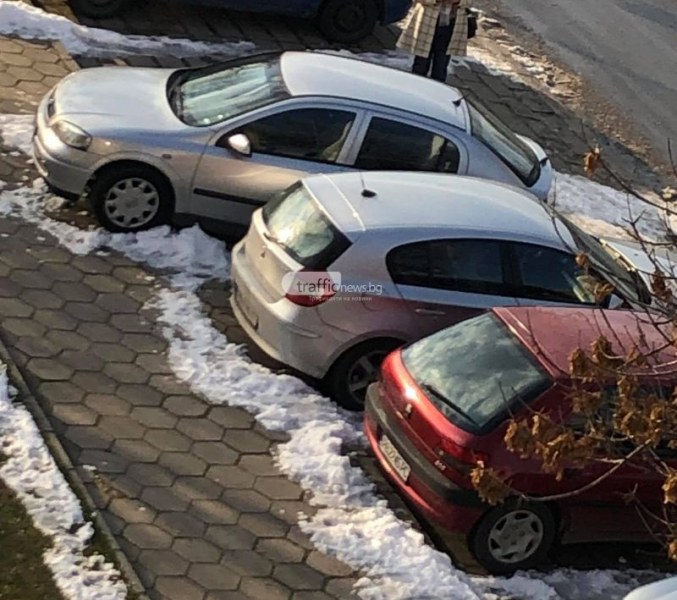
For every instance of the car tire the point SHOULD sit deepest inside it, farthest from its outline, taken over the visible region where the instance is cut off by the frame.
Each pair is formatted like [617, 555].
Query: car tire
[98, 9]
[151, 198]
[350, 369]
[525, 530]
[347, 21]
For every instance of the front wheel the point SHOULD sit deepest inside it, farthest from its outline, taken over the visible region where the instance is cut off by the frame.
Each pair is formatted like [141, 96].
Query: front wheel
[347, 21]
[349, 377]
[513, 536]
[131, 198]
[98, 9]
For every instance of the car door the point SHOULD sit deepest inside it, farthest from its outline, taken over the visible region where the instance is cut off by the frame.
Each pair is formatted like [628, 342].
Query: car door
[394, 143]
[548, 276]
[446, 281]
[286, 145]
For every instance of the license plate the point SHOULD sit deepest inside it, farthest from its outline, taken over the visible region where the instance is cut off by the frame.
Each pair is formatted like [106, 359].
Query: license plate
[394, 458]
[246, 308]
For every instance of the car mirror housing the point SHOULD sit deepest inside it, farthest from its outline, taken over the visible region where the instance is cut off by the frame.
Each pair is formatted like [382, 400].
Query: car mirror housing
[240, 144]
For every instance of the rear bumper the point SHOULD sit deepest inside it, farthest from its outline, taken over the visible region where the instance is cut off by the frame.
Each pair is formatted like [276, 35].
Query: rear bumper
[449, 508]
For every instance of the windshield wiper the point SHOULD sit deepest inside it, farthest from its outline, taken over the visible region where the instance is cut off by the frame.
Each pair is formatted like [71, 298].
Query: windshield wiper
[431, 389]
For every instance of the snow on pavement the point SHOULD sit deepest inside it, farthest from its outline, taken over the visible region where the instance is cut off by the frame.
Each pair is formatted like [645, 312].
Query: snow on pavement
[353, 523]
[29, 470]
[30, 22]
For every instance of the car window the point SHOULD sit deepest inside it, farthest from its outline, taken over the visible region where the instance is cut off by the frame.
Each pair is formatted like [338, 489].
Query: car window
[393, 146]
[298, 225]
[456, 265]
[314, 134]
[549, 274]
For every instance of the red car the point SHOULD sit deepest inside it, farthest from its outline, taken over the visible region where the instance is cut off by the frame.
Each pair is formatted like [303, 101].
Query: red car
[443, 403]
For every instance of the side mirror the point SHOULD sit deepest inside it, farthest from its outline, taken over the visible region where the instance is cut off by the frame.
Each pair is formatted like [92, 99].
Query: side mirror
[240, 144]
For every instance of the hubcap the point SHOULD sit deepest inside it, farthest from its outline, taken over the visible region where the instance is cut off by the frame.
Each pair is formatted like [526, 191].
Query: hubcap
[132, 203]
[351, 16]
[515, 536]
[364, 372]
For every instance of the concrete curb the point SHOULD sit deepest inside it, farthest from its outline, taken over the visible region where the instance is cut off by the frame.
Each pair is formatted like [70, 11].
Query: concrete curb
[71, 474]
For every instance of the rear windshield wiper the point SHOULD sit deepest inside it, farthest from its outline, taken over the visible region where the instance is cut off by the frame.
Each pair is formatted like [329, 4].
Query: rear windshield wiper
[431, 389]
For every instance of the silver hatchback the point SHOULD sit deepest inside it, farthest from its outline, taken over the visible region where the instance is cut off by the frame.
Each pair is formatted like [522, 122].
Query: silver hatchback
[212, 144]
[341, 269]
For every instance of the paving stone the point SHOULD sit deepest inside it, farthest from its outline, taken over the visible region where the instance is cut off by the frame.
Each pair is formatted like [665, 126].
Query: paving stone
[246, 501]
[311, 595]
[197, 488]
[263, 525]
[131, 323]
[111, 352]
[104, 283]
[132, 510]
[258, 587]
[117, 303]
[139, 395]
[226, 595]
[154, 417]
[24, 327]
[13, 307]
[200, 429]
[179, 588]
[181, 524]
[149, 537]
[154, 363]
[231, 417]
[143, 342]
[122, 428]
[115, 524]
[246, 441]
[137, 450]
[186, 406]
[168, 440]
[163, 562]
[214, 453]
[42, 299]
[231, 476]
[150, 474]
[197, 550]
[82, 361]
[95, 383]
[214, 576]
[214, 512]
[58, 392]
[341, 587]
[278, 488]
[126, 486]
[298, 537]
[68, 340]
[38, 347]
[288, 510]
[259, 464]
[105, 404]
[31, 279]
[84, 311]
[168, 384]
[298, 576]
[327, 565]
[280, 550]
[89, 437]
[100, 332]
[74, 414]
[126, 373]
[48, 369]
[182, 463]
[53, 319]
[131, 275]
[163, 499]
[230, 537]
[8, 288]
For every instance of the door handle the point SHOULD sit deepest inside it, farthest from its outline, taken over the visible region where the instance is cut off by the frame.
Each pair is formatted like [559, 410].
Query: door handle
[429, 312]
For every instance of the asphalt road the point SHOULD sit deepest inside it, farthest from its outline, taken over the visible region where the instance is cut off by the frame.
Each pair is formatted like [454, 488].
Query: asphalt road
[627, 49]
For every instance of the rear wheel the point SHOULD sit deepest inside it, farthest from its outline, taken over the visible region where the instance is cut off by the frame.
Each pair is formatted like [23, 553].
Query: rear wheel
[349, 377]
[131, 198]
[347, 21]
[513, 536]
[98, 9]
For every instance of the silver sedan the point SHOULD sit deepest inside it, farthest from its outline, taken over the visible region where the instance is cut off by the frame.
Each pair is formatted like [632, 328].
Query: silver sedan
[210, 145]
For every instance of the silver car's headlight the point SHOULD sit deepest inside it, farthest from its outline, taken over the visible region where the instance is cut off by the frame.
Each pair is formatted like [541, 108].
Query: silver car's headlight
[71, 135]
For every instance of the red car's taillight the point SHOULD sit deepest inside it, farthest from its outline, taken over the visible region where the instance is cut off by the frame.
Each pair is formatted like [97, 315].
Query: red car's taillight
[460, 459]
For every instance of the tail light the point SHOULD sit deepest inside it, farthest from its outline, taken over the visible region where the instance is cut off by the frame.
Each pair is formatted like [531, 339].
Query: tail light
[309, 301]
[458, 458]
[326, 290]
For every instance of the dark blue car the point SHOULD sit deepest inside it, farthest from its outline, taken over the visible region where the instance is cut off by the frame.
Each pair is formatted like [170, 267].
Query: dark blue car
[344, 21]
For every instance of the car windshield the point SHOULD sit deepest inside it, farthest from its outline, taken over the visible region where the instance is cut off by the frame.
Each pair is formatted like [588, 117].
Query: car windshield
[203, 97]
[297, 224]
[475, 372]
[627, 281]
[503, 142]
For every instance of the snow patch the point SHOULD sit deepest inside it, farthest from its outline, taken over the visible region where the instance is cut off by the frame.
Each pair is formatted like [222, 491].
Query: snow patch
[17, 131]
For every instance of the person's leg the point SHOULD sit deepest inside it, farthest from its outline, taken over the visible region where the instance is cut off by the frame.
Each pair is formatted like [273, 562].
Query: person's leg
[421, 65]
[438, 53]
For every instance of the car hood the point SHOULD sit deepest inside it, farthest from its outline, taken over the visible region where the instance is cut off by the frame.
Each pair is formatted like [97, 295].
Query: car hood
[637, 258]
[123, 97]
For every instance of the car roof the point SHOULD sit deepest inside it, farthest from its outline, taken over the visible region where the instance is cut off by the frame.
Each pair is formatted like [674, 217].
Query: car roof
[453, 205]
[318, 74]
[553, 333]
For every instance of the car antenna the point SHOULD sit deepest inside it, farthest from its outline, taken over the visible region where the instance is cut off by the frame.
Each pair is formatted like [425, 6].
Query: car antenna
[365, 192]
[458, 100]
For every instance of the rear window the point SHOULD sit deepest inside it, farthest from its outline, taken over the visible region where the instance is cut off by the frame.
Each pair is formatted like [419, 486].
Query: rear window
[503, 142]
[475, 372]
[296, 223]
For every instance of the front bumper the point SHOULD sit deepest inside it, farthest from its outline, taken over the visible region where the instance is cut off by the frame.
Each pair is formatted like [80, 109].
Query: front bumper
[449, 508]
